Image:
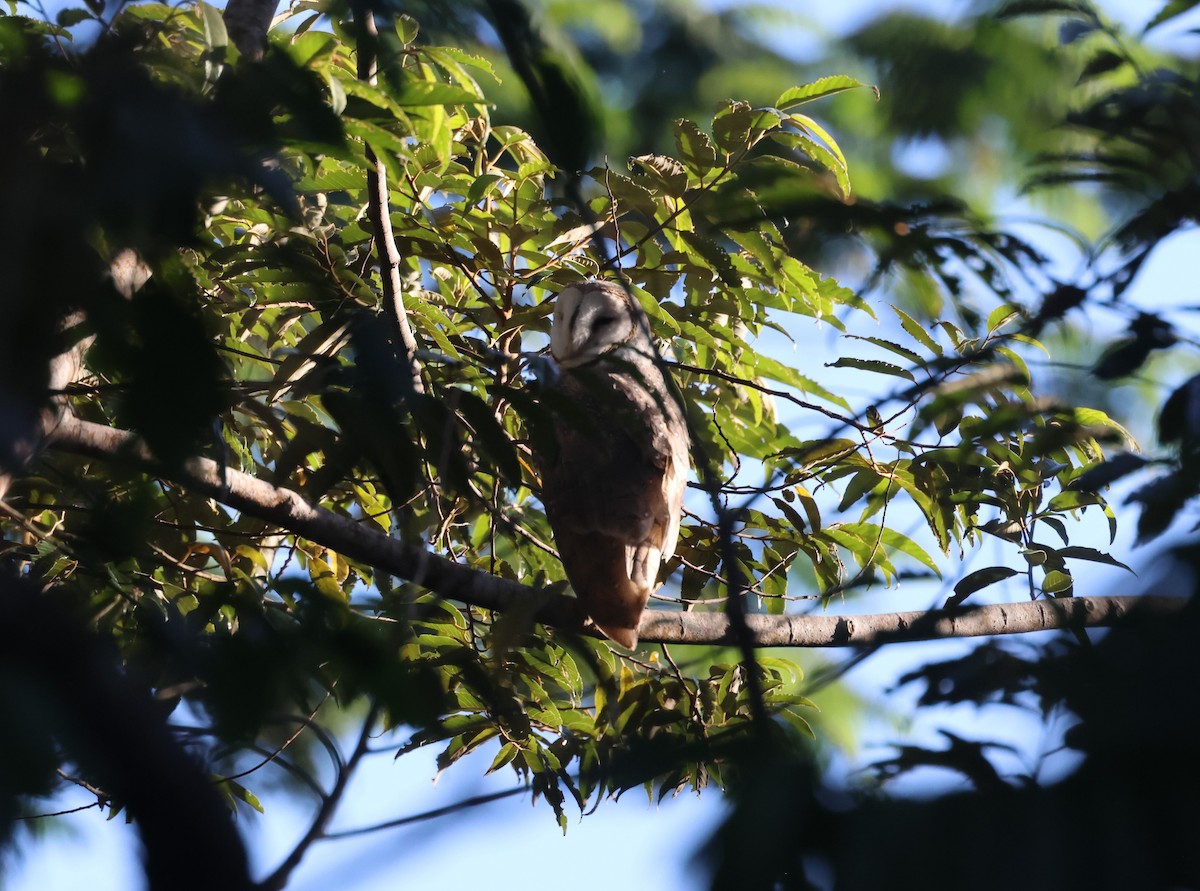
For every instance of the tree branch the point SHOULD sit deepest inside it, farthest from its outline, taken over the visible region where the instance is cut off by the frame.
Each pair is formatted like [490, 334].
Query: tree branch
[379, 210]
[474, 801]
[359, 541]
[247, 22]
[69, 687]
[329, 803]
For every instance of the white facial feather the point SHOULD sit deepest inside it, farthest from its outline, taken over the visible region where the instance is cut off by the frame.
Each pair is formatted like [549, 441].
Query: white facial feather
[589, 321]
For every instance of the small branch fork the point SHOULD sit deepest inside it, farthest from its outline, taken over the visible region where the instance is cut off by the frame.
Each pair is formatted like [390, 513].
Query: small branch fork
[287, 509]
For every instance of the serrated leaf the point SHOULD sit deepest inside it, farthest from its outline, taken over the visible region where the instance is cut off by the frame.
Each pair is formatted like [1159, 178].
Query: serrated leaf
[669, 172]
[1083, 553]
[818, 89]
[874, 365]
[695, 148]
[917, 331]
[415, 93]
[731, 126]
[461, 56]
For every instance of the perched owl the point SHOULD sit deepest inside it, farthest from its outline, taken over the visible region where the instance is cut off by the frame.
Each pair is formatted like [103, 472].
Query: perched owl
[613, 491]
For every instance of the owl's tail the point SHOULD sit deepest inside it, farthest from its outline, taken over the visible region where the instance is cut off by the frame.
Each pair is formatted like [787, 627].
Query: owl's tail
[612, 580]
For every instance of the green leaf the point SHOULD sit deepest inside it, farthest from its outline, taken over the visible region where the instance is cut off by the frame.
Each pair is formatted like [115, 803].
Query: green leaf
[874, 365]
[311, 47]
[828, 155]
[695, 148]
[1002, 315]
[893, 541]
[1102, 62]
[1057, 582]
[507, 753]
[68, 18]
[732, 126]
[819, 89]
[891, 347]
[1093, 417]
[337, 94]
[234, 791]
[406, 28]
[215, 35]
[1083, 553]
[860, 484]
[777, 371]
[489, 435]
[1102, 473]
[482, 186]
[1171, 10]
[461, 56]
[917, 331]
[416, 93]
[978, 580]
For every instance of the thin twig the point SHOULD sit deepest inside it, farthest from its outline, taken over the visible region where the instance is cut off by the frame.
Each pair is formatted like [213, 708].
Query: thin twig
[73, 810]
[316, 831]
[429, 815]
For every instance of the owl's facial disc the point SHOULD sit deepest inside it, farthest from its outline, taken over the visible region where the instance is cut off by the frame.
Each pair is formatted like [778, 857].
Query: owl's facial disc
[589, 321]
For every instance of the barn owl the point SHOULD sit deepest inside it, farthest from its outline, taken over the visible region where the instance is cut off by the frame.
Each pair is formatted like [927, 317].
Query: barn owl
[614, 491]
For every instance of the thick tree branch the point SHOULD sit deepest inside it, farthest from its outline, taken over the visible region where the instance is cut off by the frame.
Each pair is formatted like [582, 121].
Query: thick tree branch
[287, 509]
[64, 682]
[247, 22]
[360, 541]
[935, 624]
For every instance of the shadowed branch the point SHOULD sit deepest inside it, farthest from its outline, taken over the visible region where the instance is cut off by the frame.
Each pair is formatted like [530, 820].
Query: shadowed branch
[287, 509]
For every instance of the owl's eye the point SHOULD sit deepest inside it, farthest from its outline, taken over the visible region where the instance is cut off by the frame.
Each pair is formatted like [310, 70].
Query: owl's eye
[604, 321]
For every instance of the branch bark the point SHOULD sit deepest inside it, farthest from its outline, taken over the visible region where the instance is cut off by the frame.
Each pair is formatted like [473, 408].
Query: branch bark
[64, 682]
[379, 210]
[287, 509]
[247, 22]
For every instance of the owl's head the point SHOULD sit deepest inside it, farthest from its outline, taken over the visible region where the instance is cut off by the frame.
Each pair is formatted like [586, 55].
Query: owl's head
[594, 319]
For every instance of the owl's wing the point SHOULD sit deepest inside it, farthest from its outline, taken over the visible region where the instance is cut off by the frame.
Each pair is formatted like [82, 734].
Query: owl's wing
[670, 447]
[607, 475]
[598, 498]
[614, 492]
